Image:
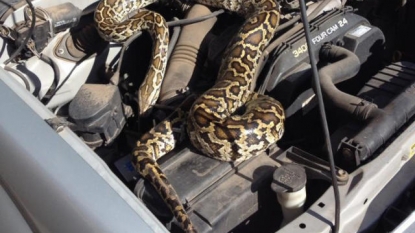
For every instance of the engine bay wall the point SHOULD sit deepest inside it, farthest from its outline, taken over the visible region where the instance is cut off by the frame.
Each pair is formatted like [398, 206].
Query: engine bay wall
[60, 178]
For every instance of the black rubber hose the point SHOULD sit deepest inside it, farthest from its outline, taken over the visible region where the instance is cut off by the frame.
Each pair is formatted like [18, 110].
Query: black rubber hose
[28, 36]
[20, 75]
[344, 65]
[56, 72]
[322, 111]
[66, 78]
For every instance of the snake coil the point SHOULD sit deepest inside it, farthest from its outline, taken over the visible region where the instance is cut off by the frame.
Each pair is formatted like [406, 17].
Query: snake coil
[212, 125]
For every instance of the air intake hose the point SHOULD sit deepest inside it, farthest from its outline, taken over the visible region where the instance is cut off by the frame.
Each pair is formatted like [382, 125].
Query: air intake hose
[184, 57]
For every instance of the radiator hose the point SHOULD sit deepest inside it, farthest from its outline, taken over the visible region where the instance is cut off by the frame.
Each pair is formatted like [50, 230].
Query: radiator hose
[344, 65]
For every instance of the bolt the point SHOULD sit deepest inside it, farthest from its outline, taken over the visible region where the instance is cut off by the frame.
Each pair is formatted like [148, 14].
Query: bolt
[348, 153]
[60, 128]
[341, 172]
[183, 90]
[60, 51]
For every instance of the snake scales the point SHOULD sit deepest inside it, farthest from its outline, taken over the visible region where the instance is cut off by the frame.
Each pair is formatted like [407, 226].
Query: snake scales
[212, 123]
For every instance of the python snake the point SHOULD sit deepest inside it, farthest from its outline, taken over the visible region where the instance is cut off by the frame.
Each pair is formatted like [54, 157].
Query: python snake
[213, 125]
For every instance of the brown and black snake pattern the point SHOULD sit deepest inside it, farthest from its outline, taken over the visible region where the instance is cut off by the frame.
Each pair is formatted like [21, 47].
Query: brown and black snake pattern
[115, 24]
[212, 123]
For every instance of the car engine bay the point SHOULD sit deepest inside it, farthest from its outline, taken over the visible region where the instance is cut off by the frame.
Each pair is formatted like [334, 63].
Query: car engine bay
[366, 64]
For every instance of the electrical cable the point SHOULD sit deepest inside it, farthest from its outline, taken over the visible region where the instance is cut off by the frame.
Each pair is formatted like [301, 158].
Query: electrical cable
[317, 89]
[28, 36]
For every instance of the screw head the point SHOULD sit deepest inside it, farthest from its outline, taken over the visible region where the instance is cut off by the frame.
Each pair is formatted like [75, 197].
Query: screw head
[61, 51]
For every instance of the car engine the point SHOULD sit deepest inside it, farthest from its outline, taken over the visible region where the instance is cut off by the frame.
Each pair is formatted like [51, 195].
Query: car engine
[366, 64]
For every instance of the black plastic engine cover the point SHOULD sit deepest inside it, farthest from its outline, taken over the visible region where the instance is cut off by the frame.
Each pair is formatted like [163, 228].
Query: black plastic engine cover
[342, 27]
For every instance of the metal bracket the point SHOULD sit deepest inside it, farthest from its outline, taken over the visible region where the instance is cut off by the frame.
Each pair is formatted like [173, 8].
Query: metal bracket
[57, 124]
[315, 167]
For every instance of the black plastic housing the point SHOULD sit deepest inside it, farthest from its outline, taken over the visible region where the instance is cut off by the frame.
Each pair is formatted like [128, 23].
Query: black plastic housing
[221, 196]
[40, 36]
[63, 16]
[98, 113]
[218, 195]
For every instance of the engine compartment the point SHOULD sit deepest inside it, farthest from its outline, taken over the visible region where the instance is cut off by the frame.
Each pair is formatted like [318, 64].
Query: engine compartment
[95, 96]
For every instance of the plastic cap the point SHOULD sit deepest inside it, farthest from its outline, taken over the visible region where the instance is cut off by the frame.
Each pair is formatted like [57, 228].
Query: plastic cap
[289, 178]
